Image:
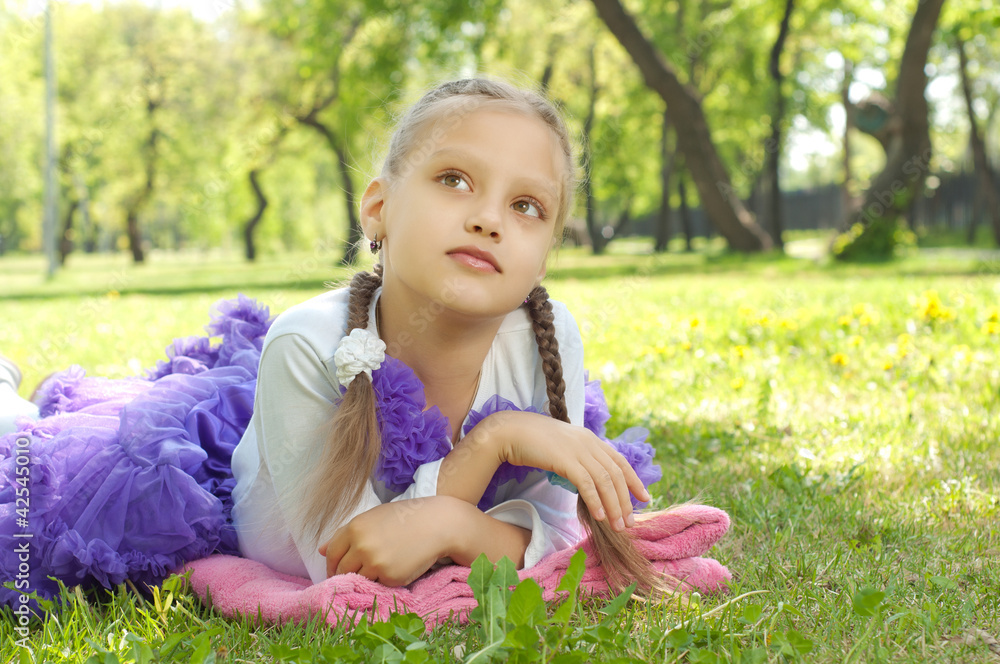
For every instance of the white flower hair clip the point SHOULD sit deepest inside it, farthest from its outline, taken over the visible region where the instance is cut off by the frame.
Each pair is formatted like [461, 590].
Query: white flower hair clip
[360, 351]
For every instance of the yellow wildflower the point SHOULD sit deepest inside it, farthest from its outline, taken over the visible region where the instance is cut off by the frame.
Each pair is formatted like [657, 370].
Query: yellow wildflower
[994, 316]
[113, 294]
[685, 345]
[902, 347]
[839, 359]
[991, 327]
[932, 309]
[744, 311]
[737, 383]
[856, 340]
[887, 366]
[740, 351]
[788, 324]
[695, 322]
[845, 321]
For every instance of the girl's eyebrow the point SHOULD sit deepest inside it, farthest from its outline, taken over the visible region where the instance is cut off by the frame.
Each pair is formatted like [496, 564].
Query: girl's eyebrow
[541, 186]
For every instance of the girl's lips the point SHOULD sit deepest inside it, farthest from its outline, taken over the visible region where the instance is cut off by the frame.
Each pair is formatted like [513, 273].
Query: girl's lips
[476, 259]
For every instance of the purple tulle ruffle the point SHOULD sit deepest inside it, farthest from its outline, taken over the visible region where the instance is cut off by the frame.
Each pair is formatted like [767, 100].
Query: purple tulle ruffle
[131, 478]
[411, 436]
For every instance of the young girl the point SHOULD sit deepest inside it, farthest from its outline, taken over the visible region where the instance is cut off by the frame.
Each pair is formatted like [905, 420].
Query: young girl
[436, 370]
[436, 409]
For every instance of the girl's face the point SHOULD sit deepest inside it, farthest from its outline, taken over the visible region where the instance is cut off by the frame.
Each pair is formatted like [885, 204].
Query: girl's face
[471, 222]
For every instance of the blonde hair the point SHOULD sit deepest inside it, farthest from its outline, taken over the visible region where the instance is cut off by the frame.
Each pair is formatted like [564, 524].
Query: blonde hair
[350, 455]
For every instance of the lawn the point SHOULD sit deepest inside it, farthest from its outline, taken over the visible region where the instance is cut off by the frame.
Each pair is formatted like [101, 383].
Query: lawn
[847, 418]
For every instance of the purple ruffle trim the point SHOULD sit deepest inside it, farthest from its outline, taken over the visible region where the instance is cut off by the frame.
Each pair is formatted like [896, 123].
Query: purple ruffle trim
[411, 436]
[595, 408]
[131, 478]
[242, 324]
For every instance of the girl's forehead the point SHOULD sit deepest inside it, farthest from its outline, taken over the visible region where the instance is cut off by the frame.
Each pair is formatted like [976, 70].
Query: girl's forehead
[499, 130]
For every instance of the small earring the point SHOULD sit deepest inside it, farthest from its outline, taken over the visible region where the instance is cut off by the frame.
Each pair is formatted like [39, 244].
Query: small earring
[375, 244]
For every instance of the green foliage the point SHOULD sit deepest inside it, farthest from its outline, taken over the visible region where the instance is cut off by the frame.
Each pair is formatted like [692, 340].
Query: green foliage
[513, 626]
[879, 239]
[229, 83]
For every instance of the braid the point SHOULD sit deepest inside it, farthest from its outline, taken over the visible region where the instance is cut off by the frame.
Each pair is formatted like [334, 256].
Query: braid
[615, 551]
[363, 287]
[354, 442]
[540, 310]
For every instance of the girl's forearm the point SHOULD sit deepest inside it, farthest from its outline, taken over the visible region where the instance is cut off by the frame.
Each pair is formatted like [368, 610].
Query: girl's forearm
[475, 532]
[467, 469]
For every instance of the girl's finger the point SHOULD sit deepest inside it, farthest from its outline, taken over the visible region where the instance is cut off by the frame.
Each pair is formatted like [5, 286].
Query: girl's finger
[621, 476]
[584, 483]
[334, 550]
[632, 479]
[347, 564]
[611, 487]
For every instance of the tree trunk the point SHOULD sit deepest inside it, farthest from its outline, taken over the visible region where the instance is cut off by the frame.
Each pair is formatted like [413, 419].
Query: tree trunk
[718, 197]
[550, 64]
[987, 183]
[139, 201]
[250, 227]
[354, 233]
[597, 240]
[847, 199]
[977, 213]
[353, 225]
[88, 239]
[667, 158]
[624, 219]
[870, 232]
[66, 233]
[685, 214]
[773, 146]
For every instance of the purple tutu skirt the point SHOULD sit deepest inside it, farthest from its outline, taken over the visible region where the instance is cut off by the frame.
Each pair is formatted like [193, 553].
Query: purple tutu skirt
[130, 478]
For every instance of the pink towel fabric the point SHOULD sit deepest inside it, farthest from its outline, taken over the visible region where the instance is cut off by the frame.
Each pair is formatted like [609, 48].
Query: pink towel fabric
[672, 540]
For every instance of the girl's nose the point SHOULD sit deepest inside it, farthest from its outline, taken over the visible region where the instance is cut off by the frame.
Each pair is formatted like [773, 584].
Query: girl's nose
[486, 220]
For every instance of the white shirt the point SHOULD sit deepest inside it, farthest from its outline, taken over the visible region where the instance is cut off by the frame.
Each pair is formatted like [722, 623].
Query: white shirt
[296, 390]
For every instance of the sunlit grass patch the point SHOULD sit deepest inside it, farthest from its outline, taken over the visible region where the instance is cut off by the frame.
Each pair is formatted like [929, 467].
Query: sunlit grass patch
[846, 417]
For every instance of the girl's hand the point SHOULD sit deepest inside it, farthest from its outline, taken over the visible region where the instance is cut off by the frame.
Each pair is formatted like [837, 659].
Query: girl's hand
[600, 474]
[393, 543]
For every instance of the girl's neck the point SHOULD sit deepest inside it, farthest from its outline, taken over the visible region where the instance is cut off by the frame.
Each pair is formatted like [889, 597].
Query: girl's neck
[445, 350]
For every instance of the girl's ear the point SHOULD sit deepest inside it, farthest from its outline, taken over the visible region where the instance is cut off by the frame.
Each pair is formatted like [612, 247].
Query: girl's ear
[372, 202]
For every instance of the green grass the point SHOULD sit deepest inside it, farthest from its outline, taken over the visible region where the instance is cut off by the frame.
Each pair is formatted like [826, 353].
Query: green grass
[847, 417]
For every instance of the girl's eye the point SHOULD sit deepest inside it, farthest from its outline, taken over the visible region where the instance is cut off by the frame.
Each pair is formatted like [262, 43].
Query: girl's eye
[454, 180]
[531, 208]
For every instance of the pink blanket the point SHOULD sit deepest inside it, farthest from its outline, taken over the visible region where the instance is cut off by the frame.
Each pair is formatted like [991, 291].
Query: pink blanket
[671, 540]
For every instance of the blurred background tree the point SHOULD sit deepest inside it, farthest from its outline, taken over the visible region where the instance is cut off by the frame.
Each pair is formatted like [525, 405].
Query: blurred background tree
[254, 126]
